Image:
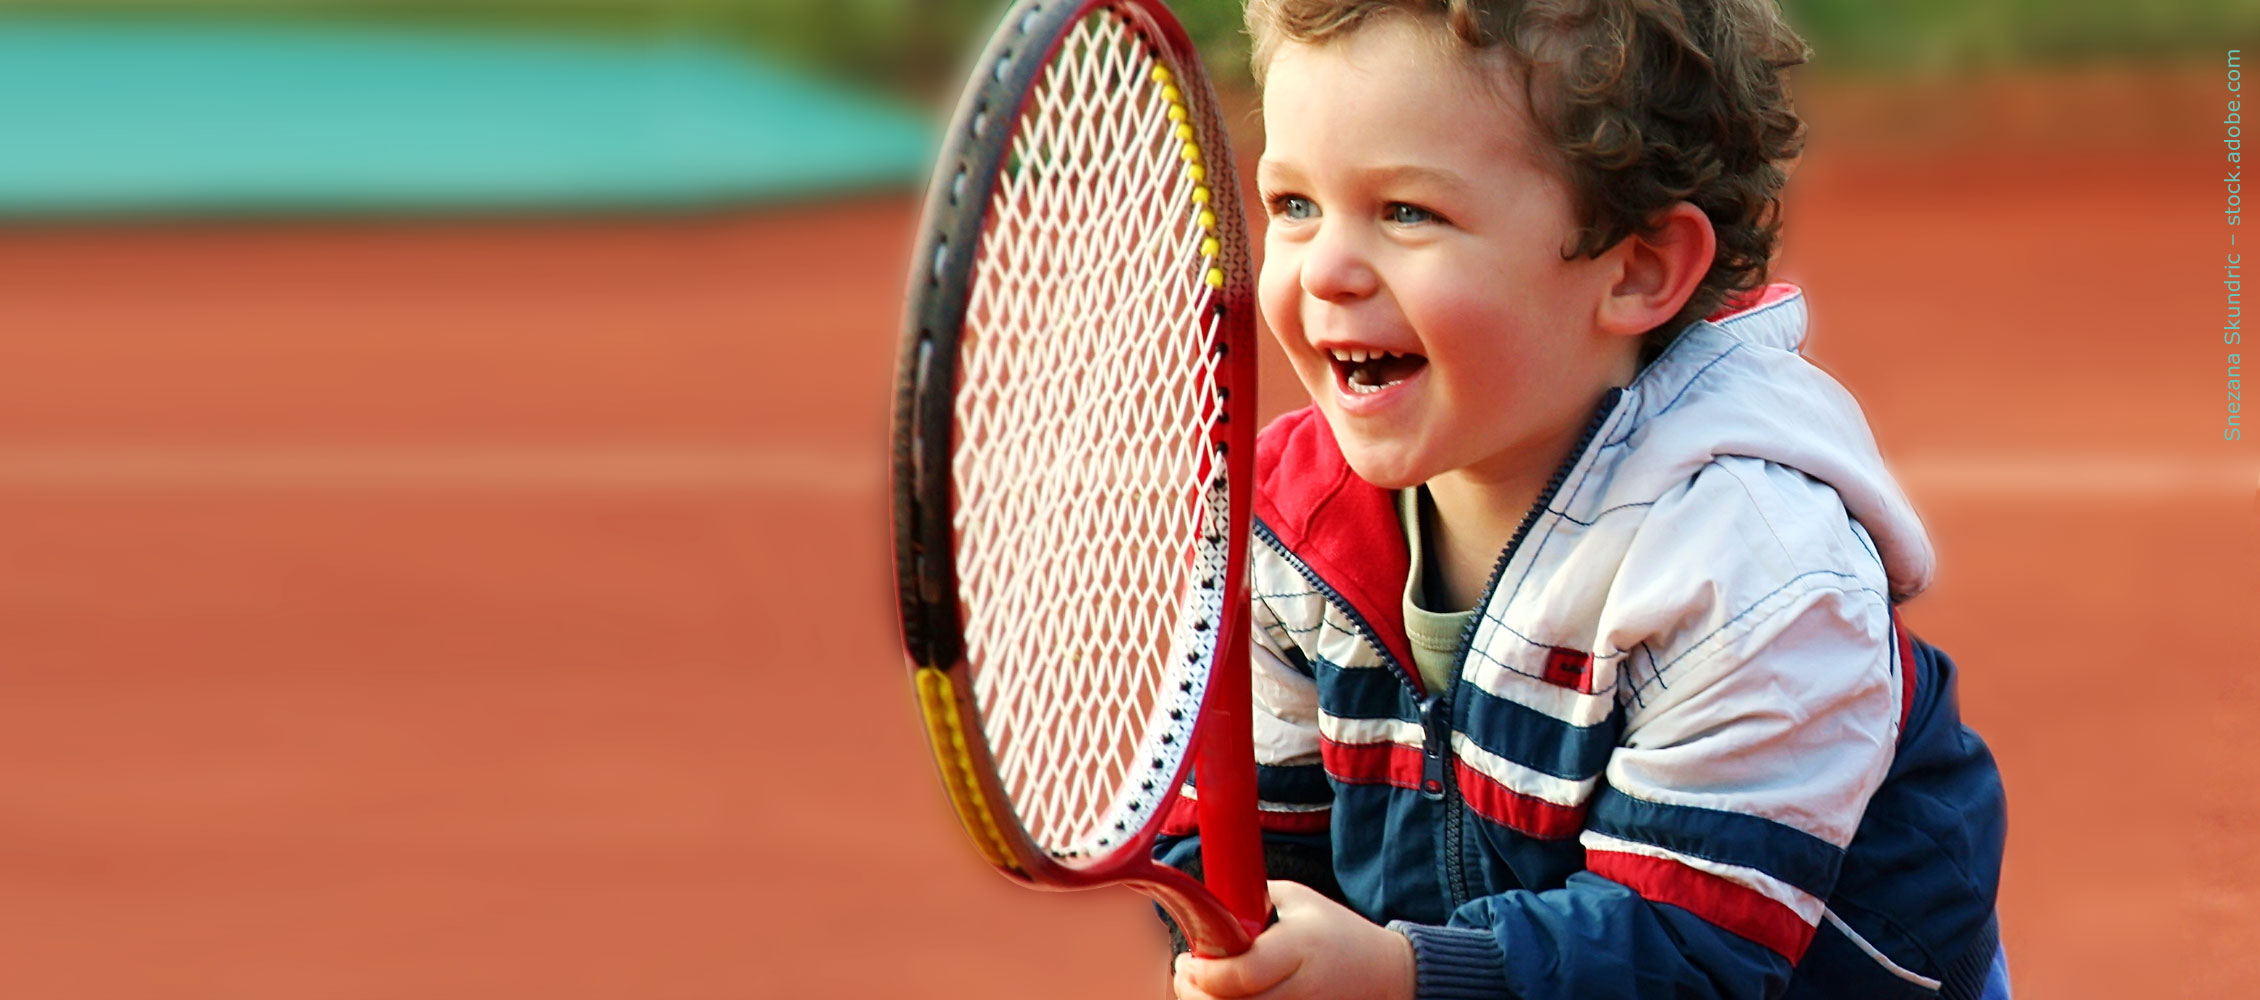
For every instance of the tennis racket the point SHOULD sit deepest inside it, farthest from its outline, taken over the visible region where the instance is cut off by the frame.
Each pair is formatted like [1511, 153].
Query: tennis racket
[1073, 439]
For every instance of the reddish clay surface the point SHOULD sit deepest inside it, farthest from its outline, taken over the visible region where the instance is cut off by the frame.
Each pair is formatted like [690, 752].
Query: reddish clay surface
[296, 707]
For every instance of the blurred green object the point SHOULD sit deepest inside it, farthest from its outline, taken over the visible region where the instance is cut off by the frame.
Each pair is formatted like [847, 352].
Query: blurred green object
[111, 117]
[916, 46]
[137, 107]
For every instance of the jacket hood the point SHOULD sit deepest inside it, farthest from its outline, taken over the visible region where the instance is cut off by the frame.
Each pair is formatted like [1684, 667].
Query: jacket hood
[1737, 384]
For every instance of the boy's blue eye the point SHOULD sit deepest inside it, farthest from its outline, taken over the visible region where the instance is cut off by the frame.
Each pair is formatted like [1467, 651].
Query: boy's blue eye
[1292, 206]
[1409, 215]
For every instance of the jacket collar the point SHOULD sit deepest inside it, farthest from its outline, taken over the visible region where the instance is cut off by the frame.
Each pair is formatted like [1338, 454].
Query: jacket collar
[1343, 528]
[1347, 531]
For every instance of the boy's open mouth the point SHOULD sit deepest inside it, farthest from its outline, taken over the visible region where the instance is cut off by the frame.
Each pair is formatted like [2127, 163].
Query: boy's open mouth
[1363, 371]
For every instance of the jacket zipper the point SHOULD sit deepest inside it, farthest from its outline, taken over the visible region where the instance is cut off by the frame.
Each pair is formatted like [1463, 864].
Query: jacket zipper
[1437, 782]
[1435, 713]
[1437, 716]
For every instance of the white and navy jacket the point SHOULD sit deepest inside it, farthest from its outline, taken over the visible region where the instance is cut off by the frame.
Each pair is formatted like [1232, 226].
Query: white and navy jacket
[1687, 753]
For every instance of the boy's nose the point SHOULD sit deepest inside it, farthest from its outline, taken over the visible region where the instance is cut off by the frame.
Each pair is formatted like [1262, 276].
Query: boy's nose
[1336, 268]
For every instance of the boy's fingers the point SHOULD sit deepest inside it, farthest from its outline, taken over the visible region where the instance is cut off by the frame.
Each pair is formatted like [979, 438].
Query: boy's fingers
[1244, 975]
[1277, 953]
[1289, 896]
[1181, 985]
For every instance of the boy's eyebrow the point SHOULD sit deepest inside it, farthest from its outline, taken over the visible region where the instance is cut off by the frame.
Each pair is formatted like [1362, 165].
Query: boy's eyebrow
[1414, 172]
[1397, 173]
[1270, 165]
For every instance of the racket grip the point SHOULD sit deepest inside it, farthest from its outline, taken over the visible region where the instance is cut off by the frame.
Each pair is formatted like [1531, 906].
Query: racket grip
[1231, 838]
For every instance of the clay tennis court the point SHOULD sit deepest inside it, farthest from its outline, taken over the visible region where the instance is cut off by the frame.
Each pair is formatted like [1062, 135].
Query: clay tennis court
[501, 609]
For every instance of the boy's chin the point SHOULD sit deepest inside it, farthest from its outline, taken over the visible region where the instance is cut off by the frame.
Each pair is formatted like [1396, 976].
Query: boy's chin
[1389, 461]
[1387, 471]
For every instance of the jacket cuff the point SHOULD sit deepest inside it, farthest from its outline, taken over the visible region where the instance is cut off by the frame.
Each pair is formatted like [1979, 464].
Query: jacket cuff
[1454, 963]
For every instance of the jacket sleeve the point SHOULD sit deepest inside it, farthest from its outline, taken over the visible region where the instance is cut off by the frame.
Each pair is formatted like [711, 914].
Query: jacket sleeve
[1295, 802]
[1748, 755]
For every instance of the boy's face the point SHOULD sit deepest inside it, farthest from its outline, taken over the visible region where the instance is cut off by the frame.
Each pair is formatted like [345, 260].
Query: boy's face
[1410, 213]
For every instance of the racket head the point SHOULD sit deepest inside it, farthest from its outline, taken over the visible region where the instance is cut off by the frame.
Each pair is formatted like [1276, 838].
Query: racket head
[1073, 444]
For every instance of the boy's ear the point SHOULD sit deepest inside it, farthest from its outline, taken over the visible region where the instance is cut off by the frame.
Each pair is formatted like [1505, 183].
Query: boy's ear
[1657, 272]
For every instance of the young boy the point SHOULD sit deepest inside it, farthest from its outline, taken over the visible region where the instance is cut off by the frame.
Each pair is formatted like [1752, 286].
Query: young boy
[1577, 671]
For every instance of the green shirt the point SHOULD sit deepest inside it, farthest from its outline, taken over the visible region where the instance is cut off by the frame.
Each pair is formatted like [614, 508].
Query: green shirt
[1435, 635]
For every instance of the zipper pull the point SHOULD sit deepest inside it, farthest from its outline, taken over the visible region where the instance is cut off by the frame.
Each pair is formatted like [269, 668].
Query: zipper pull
[1436, 724]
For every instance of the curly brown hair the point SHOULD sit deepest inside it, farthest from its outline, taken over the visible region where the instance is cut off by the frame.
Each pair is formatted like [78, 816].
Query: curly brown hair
[1645, 103]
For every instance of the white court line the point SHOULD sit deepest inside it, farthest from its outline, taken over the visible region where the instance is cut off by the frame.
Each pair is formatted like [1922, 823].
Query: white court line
[853, 469]
[806, 470]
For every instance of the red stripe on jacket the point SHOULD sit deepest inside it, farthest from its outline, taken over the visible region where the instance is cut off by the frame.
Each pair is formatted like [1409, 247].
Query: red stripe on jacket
[1729, 905]
[1371, 763]
[1399, 765]
[1527, 813]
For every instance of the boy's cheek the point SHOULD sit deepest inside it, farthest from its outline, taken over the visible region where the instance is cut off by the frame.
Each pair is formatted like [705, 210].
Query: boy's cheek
[1314, 372]
[1275, 295]
[1279, 296]
[1277, 300]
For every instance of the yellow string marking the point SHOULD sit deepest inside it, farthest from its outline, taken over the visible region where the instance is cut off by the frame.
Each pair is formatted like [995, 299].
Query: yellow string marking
[1211, 275]
[937, 697]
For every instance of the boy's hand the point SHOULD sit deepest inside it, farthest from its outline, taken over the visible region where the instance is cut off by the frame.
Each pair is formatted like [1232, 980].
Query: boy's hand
[1319, 950]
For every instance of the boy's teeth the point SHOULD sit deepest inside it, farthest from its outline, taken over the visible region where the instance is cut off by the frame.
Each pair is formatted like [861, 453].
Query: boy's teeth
[1366, 371]
[1359, 355]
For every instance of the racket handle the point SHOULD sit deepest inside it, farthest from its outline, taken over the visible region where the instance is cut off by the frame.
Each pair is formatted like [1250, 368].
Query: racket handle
[1231, 839]
[1210, 930]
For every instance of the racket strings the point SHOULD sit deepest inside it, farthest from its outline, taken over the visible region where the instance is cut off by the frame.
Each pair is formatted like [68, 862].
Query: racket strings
[1083, 465]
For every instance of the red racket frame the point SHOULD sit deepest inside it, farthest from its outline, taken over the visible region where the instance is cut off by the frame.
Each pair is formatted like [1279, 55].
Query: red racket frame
[1222, 916]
